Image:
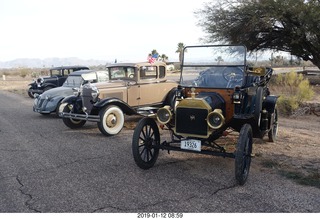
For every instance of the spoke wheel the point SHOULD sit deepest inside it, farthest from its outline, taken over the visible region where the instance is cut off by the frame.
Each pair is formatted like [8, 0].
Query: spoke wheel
[273, 132]
[243, 154]
[145, 137]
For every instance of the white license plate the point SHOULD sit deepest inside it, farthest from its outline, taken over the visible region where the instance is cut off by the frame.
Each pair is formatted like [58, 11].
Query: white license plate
[191, 144]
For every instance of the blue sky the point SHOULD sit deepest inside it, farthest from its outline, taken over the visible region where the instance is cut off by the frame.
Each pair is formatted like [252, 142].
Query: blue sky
[126, 30]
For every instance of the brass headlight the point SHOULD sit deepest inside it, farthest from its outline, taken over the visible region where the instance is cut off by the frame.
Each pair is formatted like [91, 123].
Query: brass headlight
[164, 115]
[215, 119]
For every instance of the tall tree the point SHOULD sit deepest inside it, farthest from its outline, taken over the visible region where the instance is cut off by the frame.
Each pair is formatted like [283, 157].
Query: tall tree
[284, 25]
[180, 51]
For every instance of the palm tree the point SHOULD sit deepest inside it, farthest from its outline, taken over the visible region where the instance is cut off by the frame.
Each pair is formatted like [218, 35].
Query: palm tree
[180, 51]
[164, 58]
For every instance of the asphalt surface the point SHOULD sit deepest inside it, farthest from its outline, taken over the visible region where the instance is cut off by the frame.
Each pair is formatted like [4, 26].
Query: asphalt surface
[47, 167]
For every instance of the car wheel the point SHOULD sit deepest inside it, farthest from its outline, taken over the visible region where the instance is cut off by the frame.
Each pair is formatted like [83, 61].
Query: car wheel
[258, 106]
[111, 120]
[243, 154]
[145, 137]
[30, 93]
[273, 132]
[72, 123]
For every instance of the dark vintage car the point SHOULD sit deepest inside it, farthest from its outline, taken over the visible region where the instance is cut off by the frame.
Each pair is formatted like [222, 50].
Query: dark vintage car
[219, 99]
[133, 88]
[49, 101]
[57, 77]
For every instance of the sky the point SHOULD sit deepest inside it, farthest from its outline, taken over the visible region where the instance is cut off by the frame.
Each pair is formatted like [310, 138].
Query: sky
[126, 30]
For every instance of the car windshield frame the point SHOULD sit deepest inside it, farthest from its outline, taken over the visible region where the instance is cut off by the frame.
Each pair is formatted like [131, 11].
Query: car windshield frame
[213, 66]
[73, 81]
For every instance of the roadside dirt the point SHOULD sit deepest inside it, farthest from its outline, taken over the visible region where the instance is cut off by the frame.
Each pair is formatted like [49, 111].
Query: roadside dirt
[295, 154]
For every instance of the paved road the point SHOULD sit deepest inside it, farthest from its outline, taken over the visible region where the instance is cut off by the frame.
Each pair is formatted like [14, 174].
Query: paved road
[46, 167]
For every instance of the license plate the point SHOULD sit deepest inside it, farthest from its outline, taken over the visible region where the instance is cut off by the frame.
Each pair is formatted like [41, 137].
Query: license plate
[191, 144]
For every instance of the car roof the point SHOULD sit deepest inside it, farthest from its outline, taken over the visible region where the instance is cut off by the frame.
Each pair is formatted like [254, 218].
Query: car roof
[69, 67]
[80, 72]
[135, 64]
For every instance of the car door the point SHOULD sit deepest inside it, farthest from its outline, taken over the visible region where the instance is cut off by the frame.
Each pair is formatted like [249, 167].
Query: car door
[152, 89]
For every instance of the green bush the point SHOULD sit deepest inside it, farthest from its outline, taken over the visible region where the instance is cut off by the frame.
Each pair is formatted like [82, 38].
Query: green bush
[293, 89]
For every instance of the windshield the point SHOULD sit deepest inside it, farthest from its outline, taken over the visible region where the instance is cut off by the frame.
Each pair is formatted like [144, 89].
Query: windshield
[73, 81]
[123, 73]
[213, 66]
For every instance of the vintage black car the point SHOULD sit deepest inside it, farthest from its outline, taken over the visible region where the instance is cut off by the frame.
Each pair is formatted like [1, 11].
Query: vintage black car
[57, 77]
[218, 94]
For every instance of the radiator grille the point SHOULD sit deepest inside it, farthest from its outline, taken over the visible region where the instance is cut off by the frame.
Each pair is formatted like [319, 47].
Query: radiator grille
[191, 121]
[87, 98]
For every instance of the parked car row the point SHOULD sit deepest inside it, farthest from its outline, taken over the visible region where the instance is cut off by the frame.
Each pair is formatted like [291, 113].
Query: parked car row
[212, 99]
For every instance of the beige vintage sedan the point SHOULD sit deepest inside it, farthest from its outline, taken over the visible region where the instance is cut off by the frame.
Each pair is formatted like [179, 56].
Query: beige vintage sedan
[133, 88]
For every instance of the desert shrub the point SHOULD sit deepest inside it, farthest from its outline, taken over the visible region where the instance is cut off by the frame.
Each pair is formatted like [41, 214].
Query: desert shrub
[24, 72]
[293, 89]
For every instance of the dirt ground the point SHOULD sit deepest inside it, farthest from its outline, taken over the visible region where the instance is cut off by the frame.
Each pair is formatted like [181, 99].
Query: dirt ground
[295, 154]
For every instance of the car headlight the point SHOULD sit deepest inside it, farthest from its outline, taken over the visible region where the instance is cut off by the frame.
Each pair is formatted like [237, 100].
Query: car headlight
[215, 119]
[94, 93]
[39, 81]
[164, 115]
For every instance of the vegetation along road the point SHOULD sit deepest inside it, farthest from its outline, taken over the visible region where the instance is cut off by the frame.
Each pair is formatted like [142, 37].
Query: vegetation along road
[46, 167]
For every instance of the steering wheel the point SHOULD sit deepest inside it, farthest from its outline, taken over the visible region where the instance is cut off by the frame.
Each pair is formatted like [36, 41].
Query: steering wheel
[232, 75]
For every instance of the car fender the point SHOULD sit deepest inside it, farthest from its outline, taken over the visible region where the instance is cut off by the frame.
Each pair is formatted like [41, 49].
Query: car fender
[270, 103]
[70, 99]
[44, 85]
[117, 102]
[170, 97]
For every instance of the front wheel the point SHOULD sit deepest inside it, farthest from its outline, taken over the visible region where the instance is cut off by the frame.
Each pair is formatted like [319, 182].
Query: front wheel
[243, 154]
[30, 93]
[111, 120]
[72, 123]
[145, 137]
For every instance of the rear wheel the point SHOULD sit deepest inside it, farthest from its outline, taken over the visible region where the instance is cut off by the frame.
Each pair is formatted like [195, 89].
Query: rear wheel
[243, 154]
[273, 132]
[111, 120]
[72, 123]
[145, 137]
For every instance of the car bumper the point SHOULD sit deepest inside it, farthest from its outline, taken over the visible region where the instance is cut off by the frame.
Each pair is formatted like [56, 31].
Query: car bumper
[86, 117]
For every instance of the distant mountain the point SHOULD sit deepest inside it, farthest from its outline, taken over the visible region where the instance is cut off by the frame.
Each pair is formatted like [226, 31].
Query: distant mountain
[50, 62]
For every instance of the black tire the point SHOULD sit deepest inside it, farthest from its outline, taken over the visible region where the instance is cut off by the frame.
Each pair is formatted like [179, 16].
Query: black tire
[273, 132]
[31, 94]
[72, 123]
[145, 137]
[258, 106]
[243, 154]
[111, 120]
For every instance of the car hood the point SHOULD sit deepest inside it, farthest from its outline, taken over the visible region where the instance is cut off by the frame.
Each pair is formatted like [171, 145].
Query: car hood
[58, 91]
[114, 83]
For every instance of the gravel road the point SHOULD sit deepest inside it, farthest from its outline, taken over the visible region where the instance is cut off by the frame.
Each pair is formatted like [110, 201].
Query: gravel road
[47, 167]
